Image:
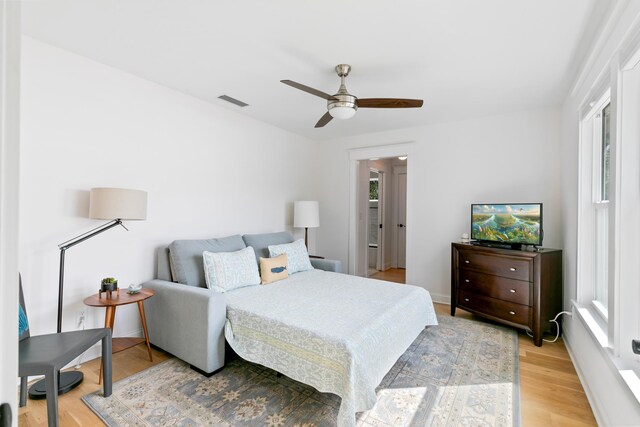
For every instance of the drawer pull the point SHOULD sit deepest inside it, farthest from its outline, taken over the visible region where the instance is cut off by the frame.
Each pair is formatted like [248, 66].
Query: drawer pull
[466, 261]
[466, 299]
[513, 291]
[512, 269]
[512, 313]
[466, 280]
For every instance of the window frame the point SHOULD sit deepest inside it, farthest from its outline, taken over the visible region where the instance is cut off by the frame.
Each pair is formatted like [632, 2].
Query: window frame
[591, 141]
[600, 206]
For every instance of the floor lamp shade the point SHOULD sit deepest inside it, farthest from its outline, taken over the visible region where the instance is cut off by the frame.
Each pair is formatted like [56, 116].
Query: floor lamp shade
[117, 203]
[306, 214]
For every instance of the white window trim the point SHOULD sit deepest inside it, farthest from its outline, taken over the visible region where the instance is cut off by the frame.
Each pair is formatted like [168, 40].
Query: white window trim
[600, 309]
[624, 290]
[614, 336]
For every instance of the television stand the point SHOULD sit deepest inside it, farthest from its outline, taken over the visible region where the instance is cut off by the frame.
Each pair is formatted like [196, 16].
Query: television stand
[518, 288]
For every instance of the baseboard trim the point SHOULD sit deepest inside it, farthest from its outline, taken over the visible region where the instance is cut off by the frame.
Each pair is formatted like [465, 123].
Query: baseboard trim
[585, 385]
[441, 298]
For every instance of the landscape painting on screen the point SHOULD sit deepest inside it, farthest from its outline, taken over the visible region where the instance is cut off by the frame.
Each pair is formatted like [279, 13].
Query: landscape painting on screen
[506, 223]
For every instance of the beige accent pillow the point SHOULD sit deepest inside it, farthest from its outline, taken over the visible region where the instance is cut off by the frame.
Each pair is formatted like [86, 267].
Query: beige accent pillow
[273, 269]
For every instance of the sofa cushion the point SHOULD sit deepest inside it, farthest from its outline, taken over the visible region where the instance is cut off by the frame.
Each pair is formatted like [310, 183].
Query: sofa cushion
[226, 271]
[260, 242]
[186, 256]
[297, 256]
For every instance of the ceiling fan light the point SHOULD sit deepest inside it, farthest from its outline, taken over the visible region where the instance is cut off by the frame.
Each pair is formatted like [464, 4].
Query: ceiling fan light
[342, 113]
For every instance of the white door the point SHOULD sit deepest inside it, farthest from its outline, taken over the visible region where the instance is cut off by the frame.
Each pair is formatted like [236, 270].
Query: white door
[402, 220]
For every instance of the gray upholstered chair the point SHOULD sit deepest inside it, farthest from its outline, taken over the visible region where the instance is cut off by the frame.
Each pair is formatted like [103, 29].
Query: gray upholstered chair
[47, 354]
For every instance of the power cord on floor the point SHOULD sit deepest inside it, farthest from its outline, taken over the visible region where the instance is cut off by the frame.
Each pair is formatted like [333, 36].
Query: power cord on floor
[554, 320]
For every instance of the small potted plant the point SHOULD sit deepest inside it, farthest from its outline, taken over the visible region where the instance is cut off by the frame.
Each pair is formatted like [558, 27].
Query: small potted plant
[108, 284]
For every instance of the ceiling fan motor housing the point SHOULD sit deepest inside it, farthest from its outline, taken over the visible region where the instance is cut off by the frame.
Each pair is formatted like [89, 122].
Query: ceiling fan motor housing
[343, 104]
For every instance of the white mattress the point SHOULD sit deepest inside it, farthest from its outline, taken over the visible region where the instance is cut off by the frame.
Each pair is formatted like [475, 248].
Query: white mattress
[337, 333]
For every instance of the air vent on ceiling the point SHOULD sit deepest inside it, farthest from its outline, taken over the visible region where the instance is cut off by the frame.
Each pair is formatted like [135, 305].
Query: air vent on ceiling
[233, 100]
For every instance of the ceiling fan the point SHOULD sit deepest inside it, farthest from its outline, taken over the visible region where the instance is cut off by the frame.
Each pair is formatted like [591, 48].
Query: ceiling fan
[343, 105]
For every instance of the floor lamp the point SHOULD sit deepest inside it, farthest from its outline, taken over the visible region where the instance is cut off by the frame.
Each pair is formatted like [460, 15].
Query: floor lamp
[116, 205]
[306, 214]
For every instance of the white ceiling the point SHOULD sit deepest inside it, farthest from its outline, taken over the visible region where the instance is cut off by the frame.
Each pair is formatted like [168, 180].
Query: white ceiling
[465, 58]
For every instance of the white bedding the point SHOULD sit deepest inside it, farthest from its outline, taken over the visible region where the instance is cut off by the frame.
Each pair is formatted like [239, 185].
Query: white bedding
[337, 333]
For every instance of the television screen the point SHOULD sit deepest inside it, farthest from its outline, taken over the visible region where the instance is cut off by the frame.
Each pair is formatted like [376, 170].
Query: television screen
[507, 223]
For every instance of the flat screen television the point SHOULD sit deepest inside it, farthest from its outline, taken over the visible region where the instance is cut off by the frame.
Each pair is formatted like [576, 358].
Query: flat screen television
[513, 224]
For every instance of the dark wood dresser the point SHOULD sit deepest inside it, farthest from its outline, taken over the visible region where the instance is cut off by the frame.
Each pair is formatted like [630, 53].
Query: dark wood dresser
[522, 289]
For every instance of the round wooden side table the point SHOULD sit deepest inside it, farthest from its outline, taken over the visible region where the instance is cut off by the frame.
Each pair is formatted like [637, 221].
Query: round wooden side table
[111, 301]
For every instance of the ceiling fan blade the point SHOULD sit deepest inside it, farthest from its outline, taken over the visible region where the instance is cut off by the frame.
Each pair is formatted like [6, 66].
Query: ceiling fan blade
[389, 103]
[324, 120]
[310, 90]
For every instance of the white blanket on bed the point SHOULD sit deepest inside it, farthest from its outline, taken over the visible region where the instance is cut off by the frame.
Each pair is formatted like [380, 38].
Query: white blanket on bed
[338, 333]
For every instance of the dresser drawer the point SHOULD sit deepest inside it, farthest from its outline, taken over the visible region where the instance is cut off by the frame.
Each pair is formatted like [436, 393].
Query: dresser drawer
[511, 290]
[512, 268]
[511, 312]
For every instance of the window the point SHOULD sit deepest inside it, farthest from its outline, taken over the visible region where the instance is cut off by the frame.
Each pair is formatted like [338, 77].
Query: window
[601, 178]
[605, 170]
[595, 207]
[373, 189]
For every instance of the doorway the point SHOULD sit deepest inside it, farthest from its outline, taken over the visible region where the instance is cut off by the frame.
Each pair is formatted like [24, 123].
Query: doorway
[382, 224]
[361, 160]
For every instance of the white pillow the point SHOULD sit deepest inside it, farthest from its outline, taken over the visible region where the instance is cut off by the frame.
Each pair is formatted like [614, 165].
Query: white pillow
[297, 256]
[225, 271]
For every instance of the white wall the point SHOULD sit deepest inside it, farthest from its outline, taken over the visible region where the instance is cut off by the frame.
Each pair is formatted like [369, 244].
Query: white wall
[209, 172]
[612, 401]
[508, 158]
[9, 193]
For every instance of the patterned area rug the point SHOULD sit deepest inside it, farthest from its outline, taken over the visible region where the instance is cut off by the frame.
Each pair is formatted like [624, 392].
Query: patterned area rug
[459, 373]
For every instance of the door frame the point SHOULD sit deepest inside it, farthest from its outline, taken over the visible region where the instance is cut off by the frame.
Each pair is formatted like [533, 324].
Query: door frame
[366, 153]
[382, 188]
[9, 200]
[397, 170]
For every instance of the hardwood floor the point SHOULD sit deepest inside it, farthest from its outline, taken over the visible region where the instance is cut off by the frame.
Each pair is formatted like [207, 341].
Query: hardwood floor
[550, 392]
[396, 275]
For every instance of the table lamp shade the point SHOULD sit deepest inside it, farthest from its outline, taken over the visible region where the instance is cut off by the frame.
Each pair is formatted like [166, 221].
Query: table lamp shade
[306, 214]
[117, 203]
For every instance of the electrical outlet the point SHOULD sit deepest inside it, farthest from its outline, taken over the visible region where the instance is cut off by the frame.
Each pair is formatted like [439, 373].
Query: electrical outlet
[81, 317]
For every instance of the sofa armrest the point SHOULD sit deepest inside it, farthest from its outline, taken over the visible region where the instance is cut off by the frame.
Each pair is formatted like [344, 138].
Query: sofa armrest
[187, 322]
[327, 264]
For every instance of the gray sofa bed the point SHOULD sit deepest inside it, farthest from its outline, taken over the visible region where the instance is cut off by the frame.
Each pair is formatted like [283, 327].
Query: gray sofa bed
[184, 317]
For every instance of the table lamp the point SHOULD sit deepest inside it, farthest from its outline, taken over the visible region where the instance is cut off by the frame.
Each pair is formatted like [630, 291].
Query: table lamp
[116, 205]
[306, 214]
